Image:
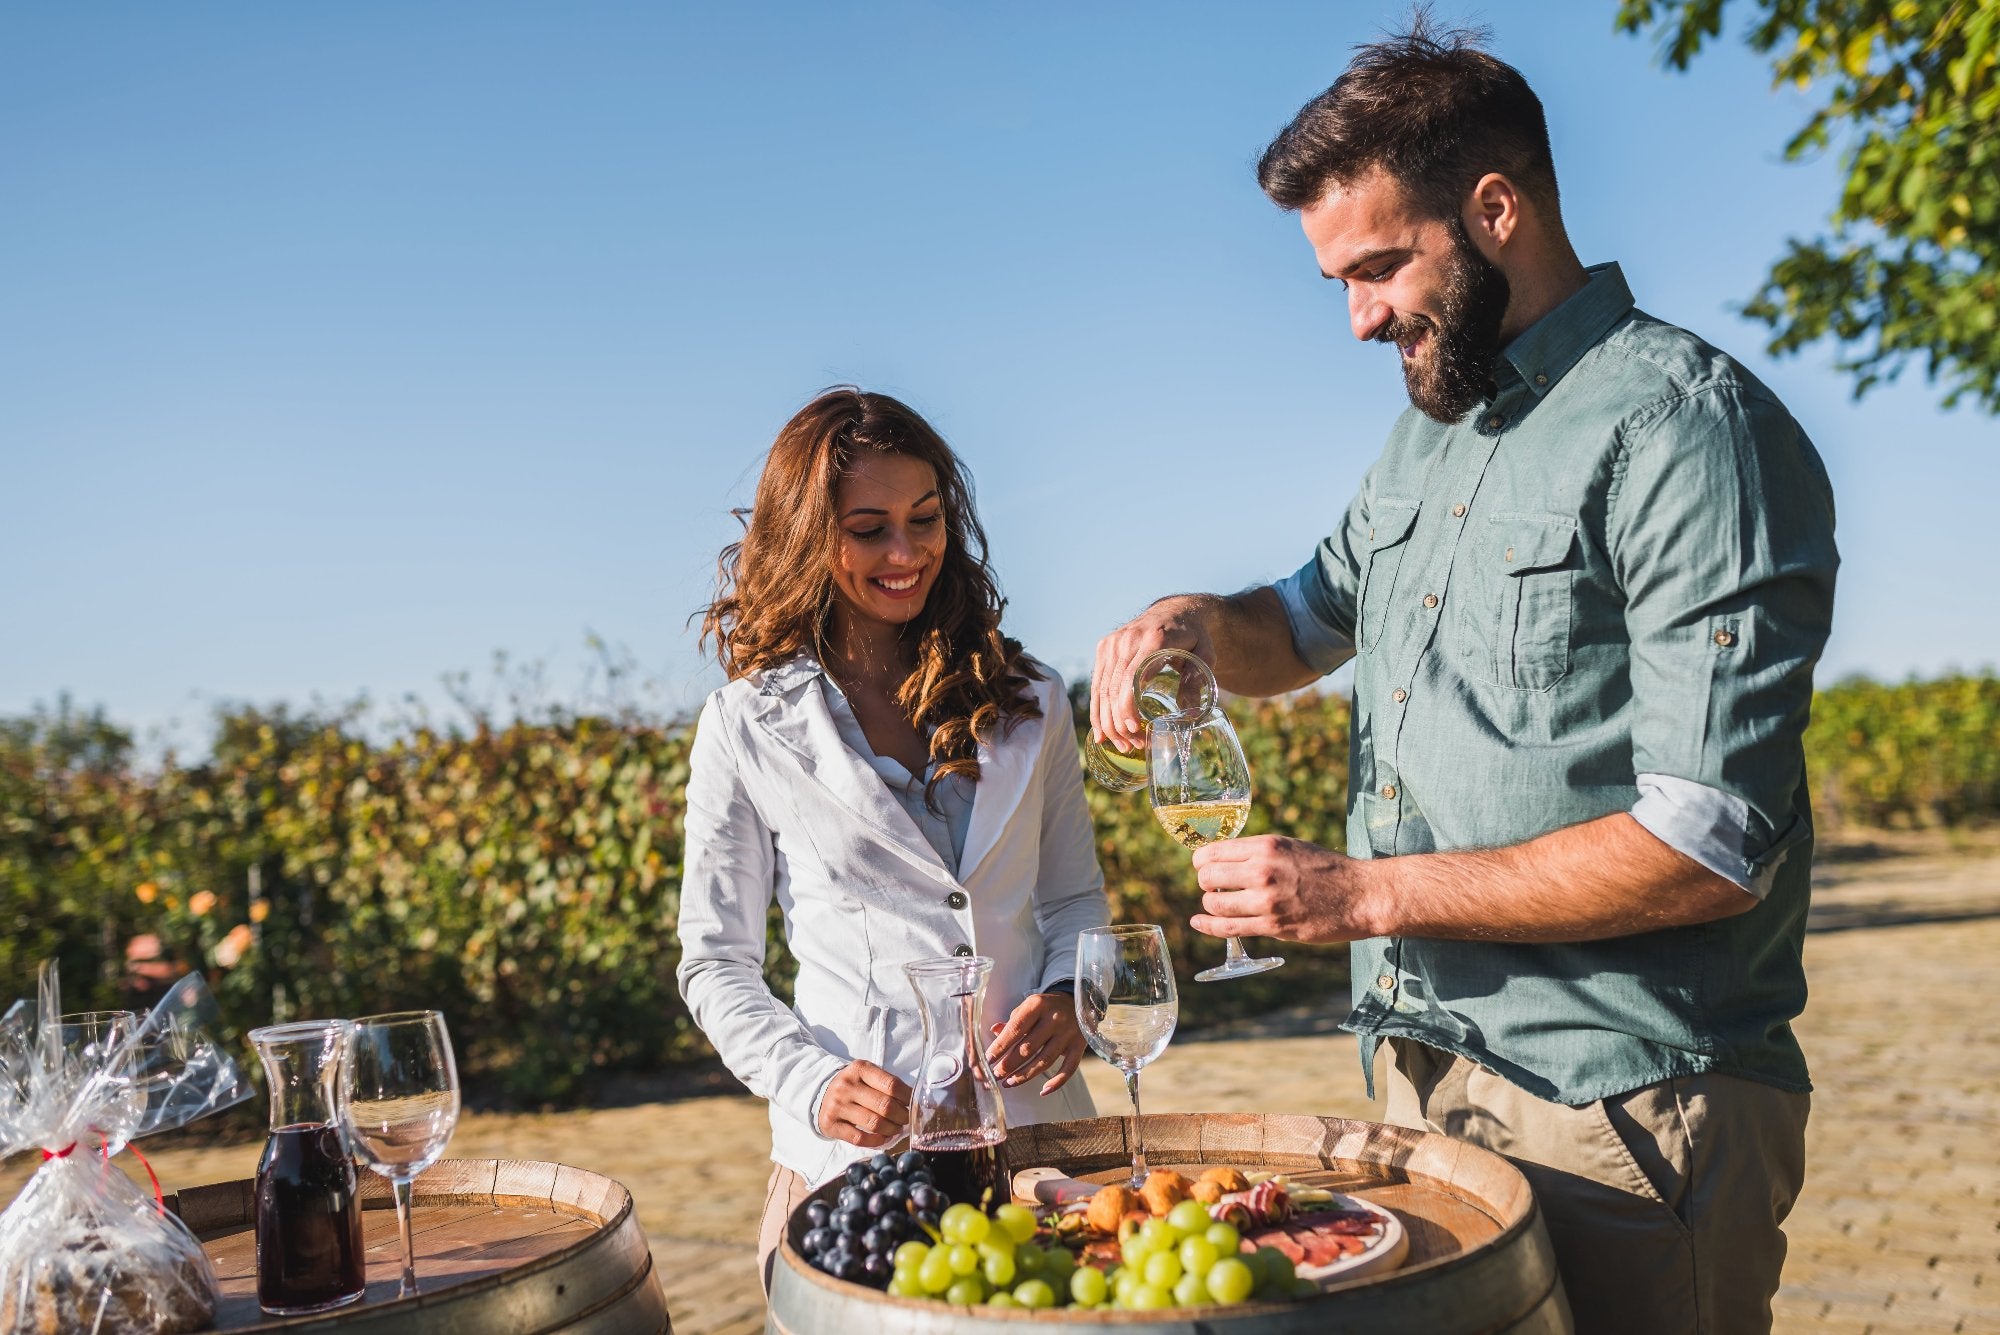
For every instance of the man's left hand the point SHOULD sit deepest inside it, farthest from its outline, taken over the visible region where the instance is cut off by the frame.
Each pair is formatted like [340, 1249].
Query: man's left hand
[1283, 888]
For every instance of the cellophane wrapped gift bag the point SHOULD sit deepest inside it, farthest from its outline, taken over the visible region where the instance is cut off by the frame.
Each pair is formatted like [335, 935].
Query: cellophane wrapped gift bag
[83, 1248]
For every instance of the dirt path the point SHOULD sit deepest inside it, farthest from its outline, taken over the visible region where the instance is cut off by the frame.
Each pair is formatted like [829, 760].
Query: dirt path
[1896, 1232]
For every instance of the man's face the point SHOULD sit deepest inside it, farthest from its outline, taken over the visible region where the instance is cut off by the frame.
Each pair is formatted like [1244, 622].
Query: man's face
[1414, 281]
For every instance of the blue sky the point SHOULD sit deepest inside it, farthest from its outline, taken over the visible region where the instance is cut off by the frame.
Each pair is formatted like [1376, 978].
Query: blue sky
[347, 345]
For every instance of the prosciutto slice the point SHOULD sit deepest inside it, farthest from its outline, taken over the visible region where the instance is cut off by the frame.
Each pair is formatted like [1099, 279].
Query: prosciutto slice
[1319, 1239]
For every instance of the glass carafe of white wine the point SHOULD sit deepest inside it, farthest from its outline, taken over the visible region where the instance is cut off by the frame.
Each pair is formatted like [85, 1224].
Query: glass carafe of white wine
[1167, 681]
[1200, 790]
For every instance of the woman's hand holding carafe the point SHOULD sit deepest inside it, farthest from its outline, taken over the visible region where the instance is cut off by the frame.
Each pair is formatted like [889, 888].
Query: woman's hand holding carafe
[866, 1106]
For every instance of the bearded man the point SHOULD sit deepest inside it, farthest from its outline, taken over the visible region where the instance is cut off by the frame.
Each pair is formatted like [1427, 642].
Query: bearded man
[1585, 585]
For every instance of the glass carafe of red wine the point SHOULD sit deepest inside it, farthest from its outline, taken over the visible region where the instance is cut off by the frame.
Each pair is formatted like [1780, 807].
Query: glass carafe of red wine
[957, 1118]
[309, 1253]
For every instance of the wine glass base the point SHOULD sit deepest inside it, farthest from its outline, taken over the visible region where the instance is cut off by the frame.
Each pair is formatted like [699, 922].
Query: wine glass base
[1242, 968]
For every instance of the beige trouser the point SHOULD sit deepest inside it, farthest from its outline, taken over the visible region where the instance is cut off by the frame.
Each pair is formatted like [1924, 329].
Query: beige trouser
[781, 1196]
[1664, 1203]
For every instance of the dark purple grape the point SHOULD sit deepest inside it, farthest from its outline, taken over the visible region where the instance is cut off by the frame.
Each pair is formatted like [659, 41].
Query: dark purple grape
[879, 1240]
[881, 1164]
[909, 1161]
[852, 1198]
[925, 1197]
[847, 1265]
[921, 1175]
[818, 1213]
[929, 1217]
[898, 1192]
[876, 1270]
[819, 1240]
[852, 1222]
[855, 1173]
[881, 1205]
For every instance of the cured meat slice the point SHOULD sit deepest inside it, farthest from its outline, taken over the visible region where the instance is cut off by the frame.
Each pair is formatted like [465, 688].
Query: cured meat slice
[1284, 1239]
[1354, 1223]
[1321, 1239]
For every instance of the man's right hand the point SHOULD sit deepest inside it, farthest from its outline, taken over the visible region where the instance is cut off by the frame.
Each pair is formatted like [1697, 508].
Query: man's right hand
[866, 1106]
[1171, 623]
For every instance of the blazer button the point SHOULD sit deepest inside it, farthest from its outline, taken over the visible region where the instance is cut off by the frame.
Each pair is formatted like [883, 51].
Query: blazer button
[955, 900]
[961, 950]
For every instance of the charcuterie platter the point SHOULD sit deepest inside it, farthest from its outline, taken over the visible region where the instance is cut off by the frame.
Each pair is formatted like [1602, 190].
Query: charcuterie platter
[1329, 1237]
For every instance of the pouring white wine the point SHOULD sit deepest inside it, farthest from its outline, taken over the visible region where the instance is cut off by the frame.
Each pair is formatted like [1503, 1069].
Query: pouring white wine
[1199, 785]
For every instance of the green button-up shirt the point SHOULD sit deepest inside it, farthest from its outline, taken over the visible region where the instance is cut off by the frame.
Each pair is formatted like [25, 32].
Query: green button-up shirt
[1604, 590]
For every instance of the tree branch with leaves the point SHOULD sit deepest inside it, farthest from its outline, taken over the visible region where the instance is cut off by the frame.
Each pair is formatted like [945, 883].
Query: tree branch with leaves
[1910, 270]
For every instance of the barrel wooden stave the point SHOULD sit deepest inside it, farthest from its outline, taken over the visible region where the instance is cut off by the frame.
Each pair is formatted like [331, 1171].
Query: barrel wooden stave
[1481, 1259]
[586, 1265]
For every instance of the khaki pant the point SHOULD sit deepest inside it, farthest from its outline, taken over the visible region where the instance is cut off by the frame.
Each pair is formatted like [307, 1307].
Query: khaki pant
[781, 1196]
[1663, 1204]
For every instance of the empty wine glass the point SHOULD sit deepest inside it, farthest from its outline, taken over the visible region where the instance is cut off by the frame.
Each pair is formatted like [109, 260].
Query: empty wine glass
[399, 1104]
[1127, 1007]
[1200, 790]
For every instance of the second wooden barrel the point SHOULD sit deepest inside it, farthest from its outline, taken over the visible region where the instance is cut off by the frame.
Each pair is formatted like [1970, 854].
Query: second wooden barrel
[1479, 1260]
[504, 1247]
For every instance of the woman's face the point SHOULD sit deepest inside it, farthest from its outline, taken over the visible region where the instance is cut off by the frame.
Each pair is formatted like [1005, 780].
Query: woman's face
[892, 537]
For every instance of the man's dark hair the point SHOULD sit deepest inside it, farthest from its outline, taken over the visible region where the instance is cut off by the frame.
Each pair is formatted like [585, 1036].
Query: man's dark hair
[1428, 106]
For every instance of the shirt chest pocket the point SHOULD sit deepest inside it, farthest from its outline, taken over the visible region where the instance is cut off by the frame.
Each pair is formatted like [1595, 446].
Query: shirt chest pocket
[1390, 526]
[1517, 631]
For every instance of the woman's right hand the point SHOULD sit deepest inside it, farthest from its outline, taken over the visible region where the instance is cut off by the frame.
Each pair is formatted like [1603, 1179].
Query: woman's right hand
[866, 1106]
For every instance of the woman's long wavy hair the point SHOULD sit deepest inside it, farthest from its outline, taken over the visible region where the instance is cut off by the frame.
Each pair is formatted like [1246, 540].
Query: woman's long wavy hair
[775, 592]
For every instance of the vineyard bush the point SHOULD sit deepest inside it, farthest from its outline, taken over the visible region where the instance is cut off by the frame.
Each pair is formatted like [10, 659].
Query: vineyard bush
[526, 879]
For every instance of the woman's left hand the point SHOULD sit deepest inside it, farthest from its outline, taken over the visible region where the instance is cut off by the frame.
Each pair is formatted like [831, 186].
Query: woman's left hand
[1040, 1034]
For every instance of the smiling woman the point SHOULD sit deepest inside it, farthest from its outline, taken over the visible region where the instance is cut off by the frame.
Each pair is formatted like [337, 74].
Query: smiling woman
[898, 776]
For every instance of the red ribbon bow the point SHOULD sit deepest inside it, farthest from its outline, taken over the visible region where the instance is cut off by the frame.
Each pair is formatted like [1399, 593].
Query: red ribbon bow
[105, 1148]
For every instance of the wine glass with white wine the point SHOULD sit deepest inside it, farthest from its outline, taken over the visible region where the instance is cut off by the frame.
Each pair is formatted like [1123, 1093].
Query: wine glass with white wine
[399, 1104]
[1200, 789]
[1127, 1007]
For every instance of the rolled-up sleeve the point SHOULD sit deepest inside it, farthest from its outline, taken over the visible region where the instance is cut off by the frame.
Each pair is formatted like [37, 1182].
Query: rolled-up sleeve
[1721, 534]
[1319, 596]
[730, 865]
[1069, 885]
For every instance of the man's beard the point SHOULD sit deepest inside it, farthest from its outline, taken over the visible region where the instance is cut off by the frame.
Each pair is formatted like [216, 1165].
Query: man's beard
[1453, 372]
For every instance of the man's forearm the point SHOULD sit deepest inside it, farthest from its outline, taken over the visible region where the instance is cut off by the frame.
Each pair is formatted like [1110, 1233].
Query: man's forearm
[1250, 637]
[1607, 877]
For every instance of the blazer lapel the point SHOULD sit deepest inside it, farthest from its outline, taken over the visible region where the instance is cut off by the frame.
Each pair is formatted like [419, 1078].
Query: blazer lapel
[792, 709]
[1006, 767]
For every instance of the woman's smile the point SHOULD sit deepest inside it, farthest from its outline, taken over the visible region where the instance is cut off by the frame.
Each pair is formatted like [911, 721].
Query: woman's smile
[903, 585]
[892, 536]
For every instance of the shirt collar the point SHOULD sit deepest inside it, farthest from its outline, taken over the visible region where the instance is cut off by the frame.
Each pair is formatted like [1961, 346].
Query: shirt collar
[1543, 352]
[791, 674]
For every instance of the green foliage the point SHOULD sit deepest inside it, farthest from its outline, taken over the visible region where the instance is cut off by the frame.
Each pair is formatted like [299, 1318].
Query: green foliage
[1912, 267]
[1922, 753]
[526, 879]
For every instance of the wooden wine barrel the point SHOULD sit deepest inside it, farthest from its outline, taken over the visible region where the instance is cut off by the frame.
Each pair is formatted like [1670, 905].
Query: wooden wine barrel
[504, 1247]
[1479, 1258]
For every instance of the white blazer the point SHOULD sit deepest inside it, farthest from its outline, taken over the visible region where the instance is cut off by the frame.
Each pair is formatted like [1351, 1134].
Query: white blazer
[778, 806]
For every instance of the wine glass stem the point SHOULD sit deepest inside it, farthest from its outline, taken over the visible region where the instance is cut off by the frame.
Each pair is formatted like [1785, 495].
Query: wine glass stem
[402, 1190]
[1138, 1132]
[1234, 951]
